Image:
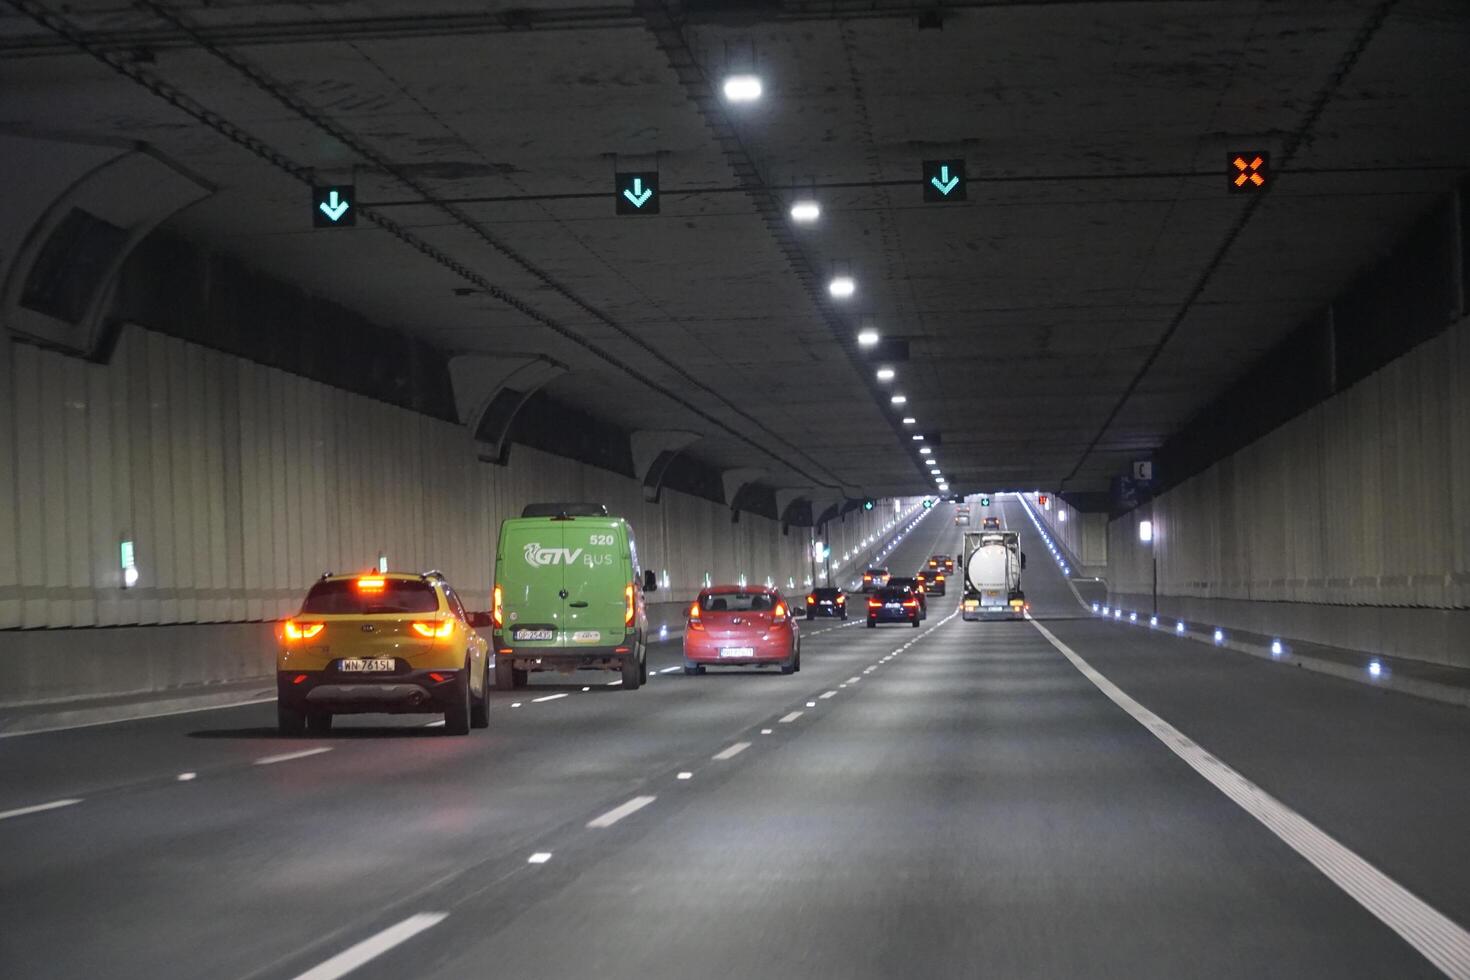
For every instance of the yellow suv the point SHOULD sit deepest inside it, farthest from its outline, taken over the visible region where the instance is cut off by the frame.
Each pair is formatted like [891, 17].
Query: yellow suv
[396, 642]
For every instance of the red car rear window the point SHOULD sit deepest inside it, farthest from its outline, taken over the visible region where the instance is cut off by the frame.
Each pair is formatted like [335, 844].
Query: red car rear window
[737, 602]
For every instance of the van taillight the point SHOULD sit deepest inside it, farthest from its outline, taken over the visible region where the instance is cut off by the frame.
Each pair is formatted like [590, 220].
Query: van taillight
[629, 608]
[497, 607]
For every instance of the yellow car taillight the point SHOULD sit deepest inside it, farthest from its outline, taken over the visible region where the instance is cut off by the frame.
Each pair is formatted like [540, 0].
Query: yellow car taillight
[302, 631]
[434, 631]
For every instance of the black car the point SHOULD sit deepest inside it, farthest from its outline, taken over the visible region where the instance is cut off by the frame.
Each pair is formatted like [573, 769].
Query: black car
[826, 602]
[889, 605]
[933, 583]
[916, 586]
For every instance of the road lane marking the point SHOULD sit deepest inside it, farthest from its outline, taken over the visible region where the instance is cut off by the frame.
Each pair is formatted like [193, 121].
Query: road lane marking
[853, 680]
[829, 694]
[270, 760]
[670, 670]
[730, 752]
[435, 724]
[374, 946]
[613, 683]
[540, 857]
[38, 808]
[811, 704]
[1437, 938]
[619, 812]
[788, 719]
[686, 775]
[187, 777]
[767, 731]
[549, 697]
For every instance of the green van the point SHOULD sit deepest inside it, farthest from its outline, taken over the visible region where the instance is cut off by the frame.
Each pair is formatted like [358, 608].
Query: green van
[569, 595]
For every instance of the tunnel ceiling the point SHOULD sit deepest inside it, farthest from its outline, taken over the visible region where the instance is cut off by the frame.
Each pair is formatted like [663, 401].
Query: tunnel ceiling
[1095, 137]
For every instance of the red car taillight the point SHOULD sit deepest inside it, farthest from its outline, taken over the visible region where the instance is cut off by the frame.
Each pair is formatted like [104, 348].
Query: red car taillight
[695, 623]
[779, 615]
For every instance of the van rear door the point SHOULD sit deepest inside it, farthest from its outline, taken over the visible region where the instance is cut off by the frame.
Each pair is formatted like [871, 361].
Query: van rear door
[597, 581]
[531, 573]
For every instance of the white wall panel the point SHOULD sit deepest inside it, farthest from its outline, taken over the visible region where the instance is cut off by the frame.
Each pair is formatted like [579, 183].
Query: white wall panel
[1360, 501]
[240, 484]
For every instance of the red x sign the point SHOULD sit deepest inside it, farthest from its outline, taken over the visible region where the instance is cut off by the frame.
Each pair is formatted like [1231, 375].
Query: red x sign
[1249, 171]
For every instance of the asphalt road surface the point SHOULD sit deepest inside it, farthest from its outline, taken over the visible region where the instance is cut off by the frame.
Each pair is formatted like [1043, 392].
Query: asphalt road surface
[963, 800]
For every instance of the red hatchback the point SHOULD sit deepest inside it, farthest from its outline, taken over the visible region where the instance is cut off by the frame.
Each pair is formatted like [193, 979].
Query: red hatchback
[731, 626]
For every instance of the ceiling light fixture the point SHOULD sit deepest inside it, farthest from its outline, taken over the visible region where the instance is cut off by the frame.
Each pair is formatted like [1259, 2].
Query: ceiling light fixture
[899, 399]
[885, 374]
[841, 287]
[805, 212]
[868, 337]
[743, 88]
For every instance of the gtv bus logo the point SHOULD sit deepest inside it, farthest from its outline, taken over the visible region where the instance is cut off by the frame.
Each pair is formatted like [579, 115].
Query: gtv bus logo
[537, 555]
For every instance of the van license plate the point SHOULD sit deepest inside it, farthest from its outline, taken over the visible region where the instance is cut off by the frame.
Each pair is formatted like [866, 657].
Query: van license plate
[737, 651]
[366, 666]
[529, 633]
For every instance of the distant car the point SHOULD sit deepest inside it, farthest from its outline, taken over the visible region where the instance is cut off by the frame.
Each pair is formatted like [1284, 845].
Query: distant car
[890, 605]
[394, 642]
[990, 524]
[874, 578]
[826, 602]
[941, 563]
[962, 520]
[915, 586]
[933, 582]
[735, 626]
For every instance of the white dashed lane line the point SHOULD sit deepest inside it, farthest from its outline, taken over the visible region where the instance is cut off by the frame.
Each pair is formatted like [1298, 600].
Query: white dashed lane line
[788, 719]
[549, 697]
[374, 946]
[829, 694]
[38, 808]
[270, 760]
[731, 752]
[619, 812]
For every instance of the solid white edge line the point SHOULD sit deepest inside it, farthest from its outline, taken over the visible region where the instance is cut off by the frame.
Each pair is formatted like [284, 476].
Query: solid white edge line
[374, 946]
[119, 721]
[38, 808]
[730, 752]
[1437, 938]
[549, 697]
[788, 719]
[270, 760]
[619, 812]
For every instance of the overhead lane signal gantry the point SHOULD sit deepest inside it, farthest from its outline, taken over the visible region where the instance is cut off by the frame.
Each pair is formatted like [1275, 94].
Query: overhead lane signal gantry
[944, 181]
[334, 206]
[636, 192]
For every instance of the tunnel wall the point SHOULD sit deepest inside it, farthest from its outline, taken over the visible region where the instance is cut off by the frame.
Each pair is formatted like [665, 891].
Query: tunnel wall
[239, 485]
[1083, 536]
[1349, 525]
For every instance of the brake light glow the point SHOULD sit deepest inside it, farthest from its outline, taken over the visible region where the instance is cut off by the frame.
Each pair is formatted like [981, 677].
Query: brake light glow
[371, 583]
[439, 678]
[434, 630]
[911, 603]
[628, 605]
[302, 631]
[874, 603]
[695, 623]
[842, 600]
[497, 607]
[779, 615]
[939, 578]
[299, 679]
[811, 600]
